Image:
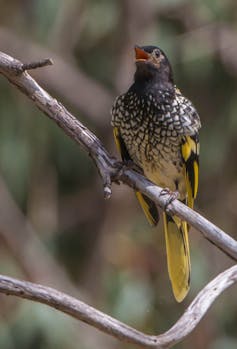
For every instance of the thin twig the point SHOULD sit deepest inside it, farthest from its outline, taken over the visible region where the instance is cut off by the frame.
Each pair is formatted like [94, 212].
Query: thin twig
[82, 311]
[35, 65]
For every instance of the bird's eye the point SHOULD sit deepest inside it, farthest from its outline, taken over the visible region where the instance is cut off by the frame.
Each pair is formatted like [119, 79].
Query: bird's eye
[157, 53]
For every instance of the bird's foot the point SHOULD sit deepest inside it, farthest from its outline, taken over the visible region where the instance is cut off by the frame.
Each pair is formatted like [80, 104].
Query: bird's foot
[121, 166]
[173, 195]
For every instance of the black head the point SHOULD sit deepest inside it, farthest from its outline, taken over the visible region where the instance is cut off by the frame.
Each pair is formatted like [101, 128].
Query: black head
[152, 64]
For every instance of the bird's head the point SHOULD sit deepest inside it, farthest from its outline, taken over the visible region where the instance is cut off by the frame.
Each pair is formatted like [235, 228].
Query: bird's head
[152, 63]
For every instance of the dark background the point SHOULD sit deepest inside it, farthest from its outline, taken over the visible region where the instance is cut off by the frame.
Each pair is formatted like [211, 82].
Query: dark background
[55, 227]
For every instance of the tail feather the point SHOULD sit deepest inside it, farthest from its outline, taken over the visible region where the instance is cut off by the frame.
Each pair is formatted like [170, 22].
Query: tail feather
[178, 255]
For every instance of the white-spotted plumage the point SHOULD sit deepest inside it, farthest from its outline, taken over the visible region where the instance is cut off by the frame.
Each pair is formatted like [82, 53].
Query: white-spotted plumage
[153, 133]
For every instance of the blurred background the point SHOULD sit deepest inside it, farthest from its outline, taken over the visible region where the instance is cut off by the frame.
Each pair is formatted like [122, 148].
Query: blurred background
[55, 227]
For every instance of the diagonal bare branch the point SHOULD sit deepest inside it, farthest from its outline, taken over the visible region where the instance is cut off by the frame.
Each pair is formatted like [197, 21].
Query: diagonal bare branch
[82, 311]
[109, 169]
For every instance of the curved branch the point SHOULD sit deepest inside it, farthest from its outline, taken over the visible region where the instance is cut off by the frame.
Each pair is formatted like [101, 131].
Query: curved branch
[82, 311]
[109, 169]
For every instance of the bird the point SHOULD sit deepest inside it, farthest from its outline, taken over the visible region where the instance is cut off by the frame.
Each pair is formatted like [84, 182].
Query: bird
[156, 128]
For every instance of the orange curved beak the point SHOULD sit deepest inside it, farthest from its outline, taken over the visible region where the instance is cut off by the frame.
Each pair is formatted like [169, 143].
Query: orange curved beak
[141, 55]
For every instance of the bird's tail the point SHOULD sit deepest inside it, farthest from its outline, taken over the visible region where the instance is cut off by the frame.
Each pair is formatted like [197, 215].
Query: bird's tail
[178, 256]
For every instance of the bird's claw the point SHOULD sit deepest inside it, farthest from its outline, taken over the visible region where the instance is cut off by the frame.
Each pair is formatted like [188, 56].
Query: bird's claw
[173, 195]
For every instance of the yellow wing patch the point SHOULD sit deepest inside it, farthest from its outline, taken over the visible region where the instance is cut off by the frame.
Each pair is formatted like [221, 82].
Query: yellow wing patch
[187, 147]
[196, 170]
[116, 138]
[190, 154]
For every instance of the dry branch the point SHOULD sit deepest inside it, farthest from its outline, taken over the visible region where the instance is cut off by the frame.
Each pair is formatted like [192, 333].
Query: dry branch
[35, 65]
[112, 170]
[109, 169]
[82, 311]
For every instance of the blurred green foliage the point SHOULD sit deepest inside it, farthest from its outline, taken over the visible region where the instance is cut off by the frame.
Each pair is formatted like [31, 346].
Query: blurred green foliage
[107, 249]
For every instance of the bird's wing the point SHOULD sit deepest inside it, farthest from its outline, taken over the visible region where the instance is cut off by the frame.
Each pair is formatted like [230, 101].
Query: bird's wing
[189, 120]
[190, 155]
[146, 203]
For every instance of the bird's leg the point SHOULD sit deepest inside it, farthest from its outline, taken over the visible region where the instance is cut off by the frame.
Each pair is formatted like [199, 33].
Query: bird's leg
[173, 195]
